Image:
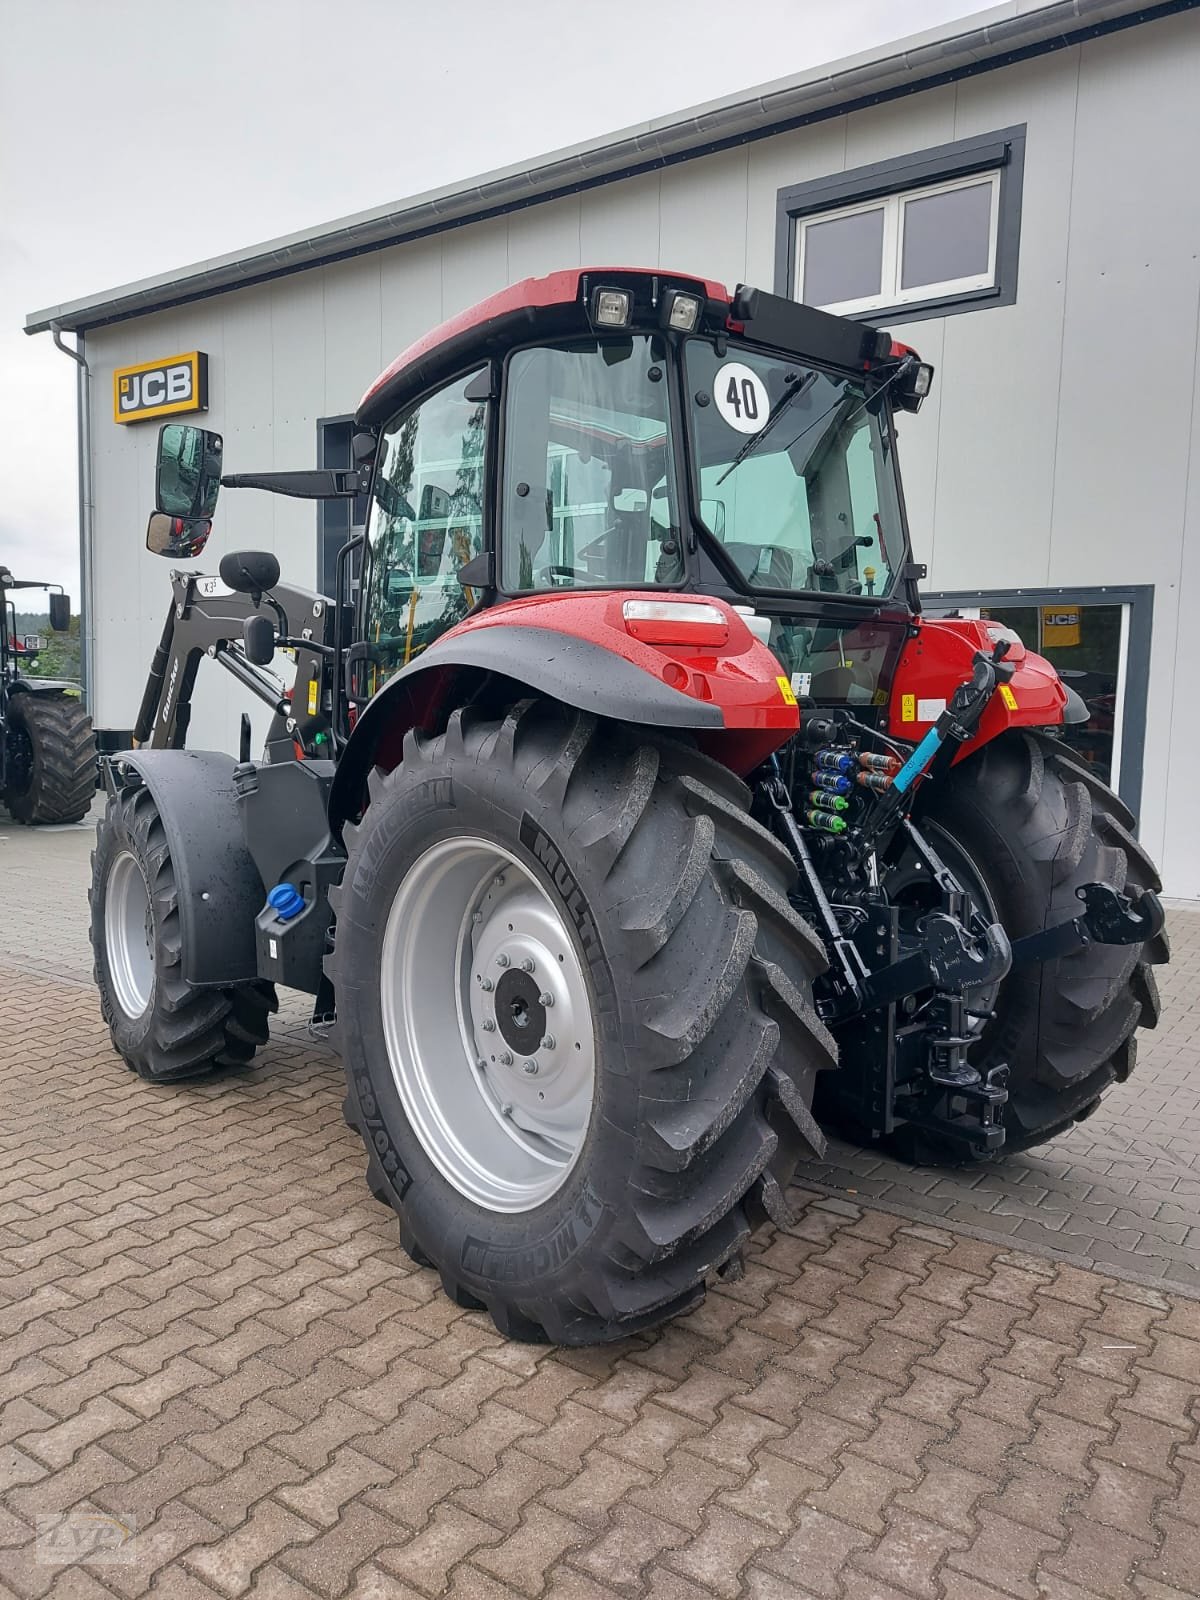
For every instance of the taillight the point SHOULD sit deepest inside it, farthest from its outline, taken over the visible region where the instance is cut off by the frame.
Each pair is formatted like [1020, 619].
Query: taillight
[675, 622]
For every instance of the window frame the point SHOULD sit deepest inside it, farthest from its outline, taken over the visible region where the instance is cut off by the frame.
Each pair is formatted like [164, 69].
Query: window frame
[999, 155]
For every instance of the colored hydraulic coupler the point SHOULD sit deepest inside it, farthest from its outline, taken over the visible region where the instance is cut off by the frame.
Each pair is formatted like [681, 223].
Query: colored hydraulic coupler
[821, 800]
[832, 782]
[823, 820]
[870, 761]
[835, 760]
[879, 781]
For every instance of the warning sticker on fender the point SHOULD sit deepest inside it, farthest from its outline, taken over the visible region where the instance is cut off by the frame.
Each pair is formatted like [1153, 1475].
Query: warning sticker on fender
[908, 708]
[785, 689]
[1009, 698]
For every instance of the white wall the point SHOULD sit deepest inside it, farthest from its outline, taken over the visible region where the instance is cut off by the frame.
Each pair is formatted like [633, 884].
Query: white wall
[1056, 450]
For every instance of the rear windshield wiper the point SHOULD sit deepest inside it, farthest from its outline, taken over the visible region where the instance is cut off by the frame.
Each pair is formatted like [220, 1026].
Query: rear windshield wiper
[773, 416]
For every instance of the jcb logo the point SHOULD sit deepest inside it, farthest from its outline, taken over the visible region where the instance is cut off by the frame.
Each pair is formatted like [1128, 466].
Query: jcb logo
[161, 388]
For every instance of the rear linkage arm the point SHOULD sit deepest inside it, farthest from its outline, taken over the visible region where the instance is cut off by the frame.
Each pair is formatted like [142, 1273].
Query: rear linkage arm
[959, 949]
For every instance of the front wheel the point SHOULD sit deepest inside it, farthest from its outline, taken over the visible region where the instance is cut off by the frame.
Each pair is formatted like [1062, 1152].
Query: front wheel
[164, 1027]
[51, 758]
[575, 1015]
[1023, 824]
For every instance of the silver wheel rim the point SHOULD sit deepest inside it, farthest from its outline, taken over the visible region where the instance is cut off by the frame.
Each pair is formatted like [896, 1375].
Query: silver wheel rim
[129, 935]
[487, 1019]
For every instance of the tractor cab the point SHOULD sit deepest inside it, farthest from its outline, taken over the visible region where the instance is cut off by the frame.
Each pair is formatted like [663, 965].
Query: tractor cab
[627, 431]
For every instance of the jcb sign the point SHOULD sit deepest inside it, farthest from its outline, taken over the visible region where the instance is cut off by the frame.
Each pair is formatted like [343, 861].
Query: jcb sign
[161, 388]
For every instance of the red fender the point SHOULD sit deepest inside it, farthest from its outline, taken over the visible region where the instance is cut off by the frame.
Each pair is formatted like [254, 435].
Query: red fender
[721, 685]
[940, 657]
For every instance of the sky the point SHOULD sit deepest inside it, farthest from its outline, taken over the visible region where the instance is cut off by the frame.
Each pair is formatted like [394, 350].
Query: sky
[137, 136]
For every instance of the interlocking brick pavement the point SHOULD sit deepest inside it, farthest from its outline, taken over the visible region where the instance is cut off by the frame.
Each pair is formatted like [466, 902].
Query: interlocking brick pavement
[210, 1333]
[209, 1336]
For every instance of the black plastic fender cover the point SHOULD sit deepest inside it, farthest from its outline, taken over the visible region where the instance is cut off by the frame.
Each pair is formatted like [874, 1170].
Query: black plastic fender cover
[220, 890]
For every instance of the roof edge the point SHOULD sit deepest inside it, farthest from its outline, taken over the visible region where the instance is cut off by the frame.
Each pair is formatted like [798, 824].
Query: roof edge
[994, 38]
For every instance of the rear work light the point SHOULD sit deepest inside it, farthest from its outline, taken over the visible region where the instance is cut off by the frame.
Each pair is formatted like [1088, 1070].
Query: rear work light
[675, 622]
[681, 311]
[922, 380]
[611, 307]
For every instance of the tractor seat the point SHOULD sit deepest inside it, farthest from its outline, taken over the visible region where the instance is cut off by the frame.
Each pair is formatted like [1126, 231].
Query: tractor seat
[769, 566]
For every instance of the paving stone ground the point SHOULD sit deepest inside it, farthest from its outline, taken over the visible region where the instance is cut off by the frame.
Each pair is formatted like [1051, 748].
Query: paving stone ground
[220, 1376]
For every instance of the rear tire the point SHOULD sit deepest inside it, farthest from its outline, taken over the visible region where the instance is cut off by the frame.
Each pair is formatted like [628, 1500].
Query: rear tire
[1036, 823]
[162, 1026]
[53, 751]
[696, 977]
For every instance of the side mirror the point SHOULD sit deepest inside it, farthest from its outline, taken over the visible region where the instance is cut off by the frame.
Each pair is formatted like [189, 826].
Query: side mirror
[177, 538]
[258, 640]
[60, 613]
[187, 476]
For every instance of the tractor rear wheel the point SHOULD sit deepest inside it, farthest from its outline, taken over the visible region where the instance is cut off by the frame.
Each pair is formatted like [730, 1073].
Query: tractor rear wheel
[575, 1014]
[51, 759]
[1032, 823]
[163, 1027]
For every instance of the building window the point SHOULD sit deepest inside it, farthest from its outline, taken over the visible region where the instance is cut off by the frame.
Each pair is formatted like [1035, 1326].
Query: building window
[925, 234]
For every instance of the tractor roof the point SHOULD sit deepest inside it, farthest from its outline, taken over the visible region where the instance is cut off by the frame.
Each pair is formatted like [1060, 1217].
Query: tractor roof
[555, 304]
[561, 305]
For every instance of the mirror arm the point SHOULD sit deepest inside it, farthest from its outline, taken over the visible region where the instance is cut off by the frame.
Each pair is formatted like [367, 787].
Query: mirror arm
[323, 485]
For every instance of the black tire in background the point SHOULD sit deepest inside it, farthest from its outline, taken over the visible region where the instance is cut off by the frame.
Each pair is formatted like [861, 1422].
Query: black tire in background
[699, 974]
[1036, 823]
[181, 1031]
[51, 758]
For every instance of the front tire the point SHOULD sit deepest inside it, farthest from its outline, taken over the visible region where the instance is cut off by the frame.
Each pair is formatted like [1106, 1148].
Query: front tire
[653, 913]
[51, 759]
[164, 1027]
[1036, 823]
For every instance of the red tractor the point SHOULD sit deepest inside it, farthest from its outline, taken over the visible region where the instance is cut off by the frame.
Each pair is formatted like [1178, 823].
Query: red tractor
[623, 814]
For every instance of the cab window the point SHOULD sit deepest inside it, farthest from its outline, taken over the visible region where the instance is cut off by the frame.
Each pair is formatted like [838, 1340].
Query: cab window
[588, 497]
[425, 522]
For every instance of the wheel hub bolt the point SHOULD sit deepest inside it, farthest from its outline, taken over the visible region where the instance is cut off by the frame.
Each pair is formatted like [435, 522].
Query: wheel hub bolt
[527, 964]
[486, 985]
[506, 1058]
[502, 960]
[505, 1109]
[546, 999]
[548, 1042]
[531, 1067]
[488, 1025]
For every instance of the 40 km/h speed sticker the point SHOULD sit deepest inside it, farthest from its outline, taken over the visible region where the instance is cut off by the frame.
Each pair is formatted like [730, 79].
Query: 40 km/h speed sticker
[741, 397]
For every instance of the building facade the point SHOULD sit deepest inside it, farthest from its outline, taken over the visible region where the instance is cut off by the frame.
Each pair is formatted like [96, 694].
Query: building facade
[1011, 195]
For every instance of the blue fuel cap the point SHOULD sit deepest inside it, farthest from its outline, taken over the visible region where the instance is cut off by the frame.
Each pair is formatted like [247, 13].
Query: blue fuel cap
[286, 901]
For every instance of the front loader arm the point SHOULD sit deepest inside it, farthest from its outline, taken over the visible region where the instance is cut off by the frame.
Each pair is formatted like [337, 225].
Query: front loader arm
[206, 618]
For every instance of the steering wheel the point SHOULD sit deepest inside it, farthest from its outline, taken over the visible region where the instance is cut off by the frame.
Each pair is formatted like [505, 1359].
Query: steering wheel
[568, 575]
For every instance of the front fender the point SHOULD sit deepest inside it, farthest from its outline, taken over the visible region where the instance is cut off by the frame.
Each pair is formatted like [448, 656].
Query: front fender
[575, 648]
[220, 890]
[939, 657]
